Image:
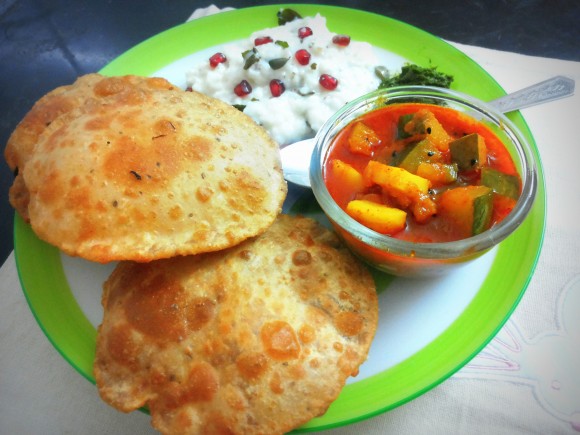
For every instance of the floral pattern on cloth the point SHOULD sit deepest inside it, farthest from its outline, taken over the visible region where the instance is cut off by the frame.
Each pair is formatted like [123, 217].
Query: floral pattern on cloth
[548, 363]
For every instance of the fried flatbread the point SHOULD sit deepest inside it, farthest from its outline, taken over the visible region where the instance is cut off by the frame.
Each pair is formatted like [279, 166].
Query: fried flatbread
[145, 173]
[256, 339]
[57, 102]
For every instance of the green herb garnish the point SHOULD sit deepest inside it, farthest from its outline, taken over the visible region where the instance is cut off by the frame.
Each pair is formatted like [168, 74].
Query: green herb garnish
[278, 63]
[416, 75]
[250, 57]
[287, 15]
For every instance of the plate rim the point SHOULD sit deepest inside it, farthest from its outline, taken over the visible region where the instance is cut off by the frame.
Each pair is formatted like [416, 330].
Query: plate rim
[23, 235]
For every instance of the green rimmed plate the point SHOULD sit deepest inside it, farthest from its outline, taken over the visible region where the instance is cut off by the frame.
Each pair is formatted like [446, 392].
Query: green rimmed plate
[428, 329]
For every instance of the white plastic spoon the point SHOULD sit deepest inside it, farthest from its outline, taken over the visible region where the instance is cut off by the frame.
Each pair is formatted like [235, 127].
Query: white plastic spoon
[296, 156]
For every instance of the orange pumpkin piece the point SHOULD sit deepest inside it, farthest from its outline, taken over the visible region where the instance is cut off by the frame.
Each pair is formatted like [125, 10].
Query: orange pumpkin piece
[469, 209]
[362, 139]
[425, 123]
[469, 152]
[437, 173]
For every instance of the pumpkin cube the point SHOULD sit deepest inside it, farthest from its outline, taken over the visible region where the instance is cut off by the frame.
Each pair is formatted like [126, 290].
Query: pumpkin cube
[469, 152]
[425, 123]
[469, 209]
[416, 153]
[438, 173]
[500, 182]
[362, 139]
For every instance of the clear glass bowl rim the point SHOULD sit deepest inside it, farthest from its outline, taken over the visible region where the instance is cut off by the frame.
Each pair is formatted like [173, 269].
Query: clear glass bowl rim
[439, 250]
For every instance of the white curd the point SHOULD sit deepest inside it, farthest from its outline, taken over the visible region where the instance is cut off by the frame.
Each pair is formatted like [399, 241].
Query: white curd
[305, 104]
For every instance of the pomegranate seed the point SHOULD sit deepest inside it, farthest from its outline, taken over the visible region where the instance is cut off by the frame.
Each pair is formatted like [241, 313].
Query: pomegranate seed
[328, 82]
[262, 40]
[216, 59]
[243, 88]
[304, 32]
[302, 56]
[277, 88]
[342, 40]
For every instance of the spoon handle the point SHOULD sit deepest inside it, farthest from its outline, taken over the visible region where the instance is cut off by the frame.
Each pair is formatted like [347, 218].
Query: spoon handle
[548, 90]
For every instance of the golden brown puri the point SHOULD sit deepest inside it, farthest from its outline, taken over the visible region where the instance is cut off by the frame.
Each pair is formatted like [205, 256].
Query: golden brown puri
[256, 339]
[148, 173]
[58, 102]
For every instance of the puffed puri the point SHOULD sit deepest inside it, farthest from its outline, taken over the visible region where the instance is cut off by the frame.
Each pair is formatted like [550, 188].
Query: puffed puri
[148, 172]
[256, 339]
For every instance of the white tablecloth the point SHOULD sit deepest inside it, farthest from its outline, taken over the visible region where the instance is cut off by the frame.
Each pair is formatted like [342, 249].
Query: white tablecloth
[526, 381]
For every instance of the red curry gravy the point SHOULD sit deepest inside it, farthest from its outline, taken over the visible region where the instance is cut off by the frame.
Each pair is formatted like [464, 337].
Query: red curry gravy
[472, 182]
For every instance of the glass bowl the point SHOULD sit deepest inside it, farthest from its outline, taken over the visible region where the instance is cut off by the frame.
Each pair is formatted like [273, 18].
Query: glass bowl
[405, 258]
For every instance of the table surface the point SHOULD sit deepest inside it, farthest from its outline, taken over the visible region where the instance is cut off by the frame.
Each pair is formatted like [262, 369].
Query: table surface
[45, 44]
